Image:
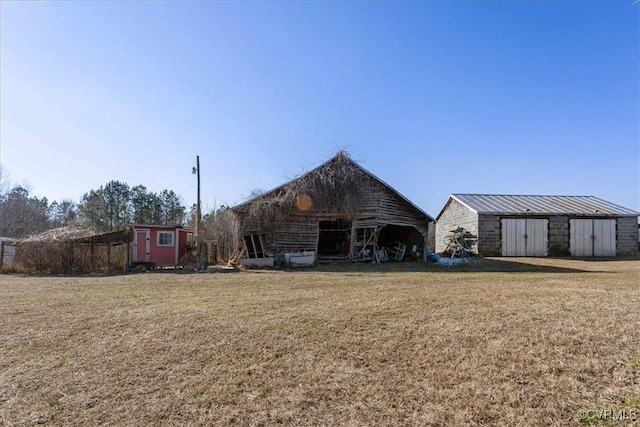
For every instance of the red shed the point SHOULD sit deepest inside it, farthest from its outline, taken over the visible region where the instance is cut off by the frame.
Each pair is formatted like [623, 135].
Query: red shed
[161, 245]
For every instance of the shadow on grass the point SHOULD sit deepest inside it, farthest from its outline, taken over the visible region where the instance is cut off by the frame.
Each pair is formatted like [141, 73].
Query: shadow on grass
[608, 259]
[475, 265]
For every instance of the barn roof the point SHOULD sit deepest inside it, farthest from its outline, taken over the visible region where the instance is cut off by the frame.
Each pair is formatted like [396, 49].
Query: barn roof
[341, 155]
[501, 204]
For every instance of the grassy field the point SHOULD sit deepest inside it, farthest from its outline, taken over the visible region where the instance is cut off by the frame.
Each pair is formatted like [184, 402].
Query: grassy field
[526, 342]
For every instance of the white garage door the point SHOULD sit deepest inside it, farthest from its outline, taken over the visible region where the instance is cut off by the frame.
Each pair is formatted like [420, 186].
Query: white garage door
[592, 237]
[525, 237]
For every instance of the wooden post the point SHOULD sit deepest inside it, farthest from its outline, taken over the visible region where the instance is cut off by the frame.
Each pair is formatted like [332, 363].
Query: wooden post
[425, 243]
[1, 254]
[109, 256]
[71, 260]
[376, 232]
[354, 239]
[128, 257]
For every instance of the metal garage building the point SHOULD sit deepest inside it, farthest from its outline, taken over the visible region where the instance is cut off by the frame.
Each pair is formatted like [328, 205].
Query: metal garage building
[507, 225]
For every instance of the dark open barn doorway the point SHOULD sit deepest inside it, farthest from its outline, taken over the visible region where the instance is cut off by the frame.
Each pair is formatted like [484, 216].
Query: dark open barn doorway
[392, 237]
[334, 239]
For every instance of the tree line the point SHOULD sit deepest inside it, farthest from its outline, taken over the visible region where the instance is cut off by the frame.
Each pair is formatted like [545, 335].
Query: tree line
[108, 208]
[115, 204]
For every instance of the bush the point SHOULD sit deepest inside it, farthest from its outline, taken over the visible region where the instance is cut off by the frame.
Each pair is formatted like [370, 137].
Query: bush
[47, 257]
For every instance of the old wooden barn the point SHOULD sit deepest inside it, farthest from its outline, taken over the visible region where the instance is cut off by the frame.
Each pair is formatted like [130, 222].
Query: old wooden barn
[338, 210]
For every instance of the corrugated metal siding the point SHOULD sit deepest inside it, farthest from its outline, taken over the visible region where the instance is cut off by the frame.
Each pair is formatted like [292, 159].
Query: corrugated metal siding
[605, 242]
[513, 241]
[525, 237]
[541, 205]
[593, 237]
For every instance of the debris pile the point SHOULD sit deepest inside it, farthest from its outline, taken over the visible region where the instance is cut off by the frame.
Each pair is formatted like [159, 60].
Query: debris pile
[459, 243]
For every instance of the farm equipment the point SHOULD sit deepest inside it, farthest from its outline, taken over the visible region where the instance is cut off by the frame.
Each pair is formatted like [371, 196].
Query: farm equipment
[459, 242]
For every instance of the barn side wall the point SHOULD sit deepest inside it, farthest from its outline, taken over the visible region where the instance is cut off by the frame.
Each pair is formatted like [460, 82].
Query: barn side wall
[300, 231]
[454, 215]
[627, 236]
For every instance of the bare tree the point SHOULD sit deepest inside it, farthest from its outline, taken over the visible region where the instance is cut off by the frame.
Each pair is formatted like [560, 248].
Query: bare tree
[220, 228]
[5, 184]
[62, 214]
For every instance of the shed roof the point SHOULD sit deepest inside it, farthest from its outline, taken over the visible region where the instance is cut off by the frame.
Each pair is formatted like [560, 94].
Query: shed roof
[169, 227]
[501, 204]
[119, 236]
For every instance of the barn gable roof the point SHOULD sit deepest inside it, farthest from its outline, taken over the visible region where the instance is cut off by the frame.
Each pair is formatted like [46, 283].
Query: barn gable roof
[501, 204]
[340, 158]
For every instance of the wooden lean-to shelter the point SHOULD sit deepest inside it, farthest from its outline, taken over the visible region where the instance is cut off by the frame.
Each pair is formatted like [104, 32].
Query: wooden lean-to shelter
[338, 210]
[73, 250]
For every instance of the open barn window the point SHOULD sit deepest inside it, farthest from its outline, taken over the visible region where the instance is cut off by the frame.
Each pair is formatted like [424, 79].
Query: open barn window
[391, 235]
[255, 245]
[165, 238]
[334, 238]
[399, 241]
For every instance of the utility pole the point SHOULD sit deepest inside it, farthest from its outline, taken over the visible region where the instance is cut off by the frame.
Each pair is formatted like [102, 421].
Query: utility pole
[198, 211]
[196, 171]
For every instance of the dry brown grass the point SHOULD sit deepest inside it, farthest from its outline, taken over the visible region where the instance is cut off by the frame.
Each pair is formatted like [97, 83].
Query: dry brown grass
[414, 344]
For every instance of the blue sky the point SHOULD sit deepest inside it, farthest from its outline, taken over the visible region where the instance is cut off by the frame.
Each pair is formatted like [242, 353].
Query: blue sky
[507, 97]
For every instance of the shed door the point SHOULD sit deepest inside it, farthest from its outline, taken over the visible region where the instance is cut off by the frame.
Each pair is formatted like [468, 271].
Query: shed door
[537, 237]
[141, 246]
[525, 237]
[605, 241]
[513, 242]
[592, 237]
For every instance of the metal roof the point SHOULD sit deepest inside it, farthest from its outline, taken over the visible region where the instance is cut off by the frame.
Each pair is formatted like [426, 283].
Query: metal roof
[498, 204]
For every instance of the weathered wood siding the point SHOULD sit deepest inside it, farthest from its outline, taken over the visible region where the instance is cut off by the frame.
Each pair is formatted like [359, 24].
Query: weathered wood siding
[378, 206]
